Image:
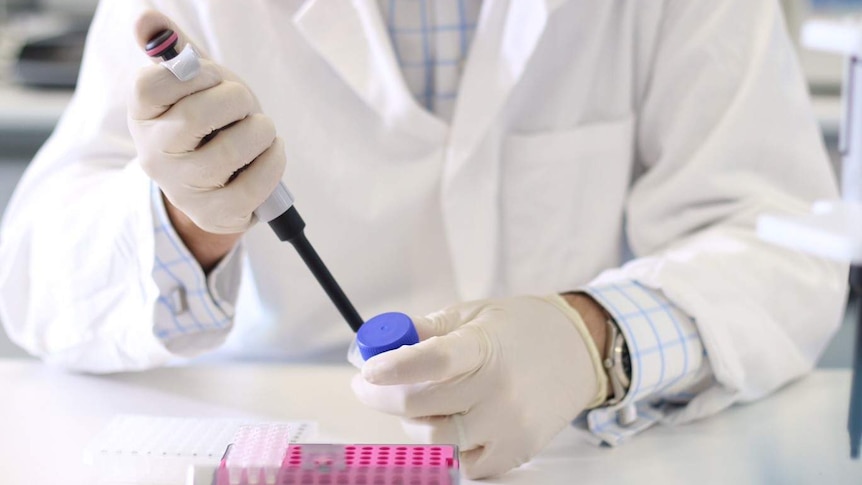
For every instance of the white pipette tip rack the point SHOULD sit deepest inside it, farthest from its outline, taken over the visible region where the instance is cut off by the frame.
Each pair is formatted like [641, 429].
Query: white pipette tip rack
[148, 450]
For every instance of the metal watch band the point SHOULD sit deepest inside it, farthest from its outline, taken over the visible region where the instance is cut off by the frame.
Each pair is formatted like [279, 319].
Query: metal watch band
[617, 363]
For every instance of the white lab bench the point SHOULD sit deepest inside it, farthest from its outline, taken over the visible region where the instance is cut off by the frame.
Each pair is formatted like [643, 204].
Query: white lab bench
[48, 416]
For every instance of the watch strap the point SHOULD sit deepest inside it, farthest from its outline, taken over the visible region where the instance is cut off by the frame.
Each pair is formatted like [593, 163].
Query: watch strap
[617, 363]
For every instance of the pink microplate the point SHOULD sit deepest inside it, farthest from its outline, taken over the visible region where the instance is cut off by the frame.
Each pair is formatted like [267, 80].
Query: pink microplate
[331, 464]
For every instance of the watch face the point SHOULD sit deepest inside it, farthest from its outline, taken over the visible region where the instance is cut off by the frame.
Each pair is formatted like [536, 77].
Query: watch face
[625, 358]
[626, 361]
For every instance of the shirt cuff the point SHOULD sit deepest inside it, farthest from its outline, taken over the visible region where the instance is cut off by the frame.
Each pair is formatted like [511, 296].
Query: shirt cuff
[194, 313]
[668, 361]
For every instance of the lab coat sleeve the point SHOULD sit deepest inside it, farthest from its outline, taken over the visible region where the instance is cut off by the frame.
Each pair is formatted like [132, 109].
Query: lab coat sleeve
[726, 133]
[77, 254]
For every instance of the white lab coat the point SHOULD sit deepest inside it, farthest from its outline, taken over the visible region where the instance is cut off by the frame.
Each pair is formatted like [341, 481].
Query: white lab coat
[672, 122]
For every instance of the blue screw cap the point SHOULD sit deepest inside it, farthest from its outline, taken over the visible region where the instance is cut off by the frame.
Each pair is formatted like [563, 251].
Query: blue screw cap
[385, 332]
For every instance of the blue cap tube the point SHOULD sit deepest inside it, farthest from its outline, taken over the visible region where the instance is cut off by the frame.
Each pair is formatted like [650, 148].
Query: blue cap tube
[385, 332]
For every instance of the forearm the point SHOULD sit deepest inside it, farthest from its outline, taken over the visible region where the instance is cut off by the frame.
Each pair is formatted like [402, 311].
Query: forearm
[194, 313]
[207, 248]
[595, 318]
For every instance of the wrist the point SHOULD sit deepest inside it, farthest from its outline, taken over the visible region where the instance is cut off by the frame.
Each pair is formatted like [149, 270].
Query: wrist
[595, 318]
[207, 248]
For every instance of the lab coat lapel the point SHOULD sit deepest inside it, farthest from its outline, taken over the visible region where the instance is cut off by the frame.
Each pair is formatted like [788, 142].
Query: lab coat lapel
[351, 37]
[506, 38]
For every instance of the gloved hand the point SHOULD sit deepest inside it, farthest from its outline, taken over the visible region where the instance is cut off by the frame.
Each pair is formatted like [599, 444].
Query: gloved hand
[169, 121]
[499, 378]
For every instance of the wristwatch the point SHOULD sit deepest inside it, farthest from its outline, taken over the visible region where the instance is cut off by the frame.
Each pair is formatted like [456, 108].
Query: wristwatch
[617, 363]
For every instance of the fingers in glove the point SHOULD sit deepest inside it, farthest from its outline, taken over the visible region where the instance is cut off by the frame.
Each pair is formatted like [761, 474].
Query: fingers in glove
[491, 460]
[447, 320]
[212, 165]
[255, 182]
[486, 447]
[157, 89]
[436, 359]
[190, 120]
[439, 430]
[235, 147]
[229, 209]
[418, 400]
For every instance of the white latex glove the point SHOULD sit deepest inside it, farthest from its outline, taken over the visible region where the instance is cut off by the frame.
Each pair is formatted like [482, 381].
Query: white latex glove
[169, 120]
[499, 378]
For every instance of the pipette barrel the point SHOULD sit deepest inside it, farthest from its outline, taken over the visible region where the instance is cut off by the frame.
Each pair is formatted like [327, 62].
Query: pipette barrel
[163, 45]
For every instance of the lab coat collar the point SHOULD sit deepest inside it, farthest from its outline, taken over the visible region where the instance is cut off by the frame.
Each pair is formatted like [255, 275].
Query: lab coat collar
[352, 38]
[506, 37]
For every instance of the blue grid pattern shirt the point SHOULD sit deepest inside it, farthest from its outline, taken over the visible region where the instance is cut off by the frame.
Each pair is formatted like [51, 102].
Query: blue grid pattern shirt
[668, 360]
[194, 312]
[431, 39]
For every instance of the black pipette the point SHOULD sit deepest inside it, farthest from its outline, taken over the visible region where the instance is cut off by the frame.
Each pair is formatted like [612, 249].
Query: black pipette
[278, 210]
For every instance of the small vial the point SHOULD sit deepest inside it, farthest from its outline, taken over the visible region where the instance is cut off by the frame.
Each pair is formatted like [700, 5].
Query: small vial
[385, 332]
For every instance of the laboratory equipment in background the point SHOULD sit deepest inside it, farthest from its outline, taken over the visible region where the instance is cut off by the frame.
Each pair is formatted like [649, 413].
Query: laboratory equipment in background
[833, 229]
[46, 38]
[52, 61]
[68, 8]
[75, 7]
[823, 71]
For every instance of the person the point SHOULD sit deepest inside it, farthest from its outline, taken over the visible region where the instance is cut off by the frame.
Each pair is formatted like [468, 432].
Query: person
[488, 161]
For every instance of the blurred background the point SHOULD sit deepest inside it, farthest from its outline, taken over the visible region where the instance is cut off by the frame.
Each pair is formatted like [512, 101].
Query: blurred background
[40, 48]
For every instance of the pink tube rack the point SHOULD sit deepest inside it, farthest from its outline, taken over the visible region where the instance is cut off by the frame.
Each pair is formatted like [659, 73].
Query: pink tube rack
[331, 464]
